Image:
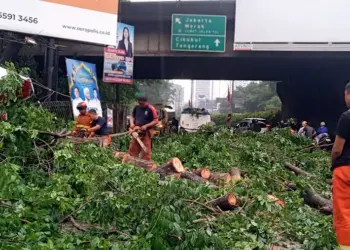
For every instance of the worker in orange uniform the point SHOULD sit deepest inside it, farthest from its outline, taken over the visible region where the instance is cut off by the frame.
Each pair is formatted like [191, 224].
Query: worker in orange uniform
[341, 177]
[143, 118]
[83, 122]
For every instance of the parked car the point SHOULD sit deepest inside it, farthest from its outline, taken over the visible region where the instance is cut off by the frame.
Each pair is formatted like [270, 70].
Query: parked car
[119, 66]
[262, 125]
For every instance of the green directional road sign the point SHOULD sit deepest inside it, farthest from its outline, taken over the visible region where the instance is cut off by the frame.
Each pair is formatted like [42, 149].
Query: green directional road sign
[202, 33]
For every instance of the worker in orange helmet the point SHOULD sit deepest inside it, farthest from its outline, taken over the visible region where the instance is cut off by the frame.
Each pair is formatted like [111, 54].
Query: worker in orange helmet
[83, 122]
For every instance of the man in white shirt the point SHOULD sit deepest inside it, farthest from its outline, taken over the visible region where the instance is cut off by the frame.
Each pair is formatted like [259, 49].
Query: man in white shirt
[76, 101]
[96, 104]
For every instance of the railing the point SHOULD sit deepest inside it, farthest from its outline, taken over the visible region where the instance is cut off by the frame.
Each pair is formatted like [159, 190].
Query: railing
[63, 110]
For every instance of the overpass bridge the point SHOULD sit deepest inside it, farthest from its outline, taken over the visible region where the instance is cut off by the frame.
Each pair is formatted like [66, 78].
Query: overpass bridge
[154, 58]
[311, 82]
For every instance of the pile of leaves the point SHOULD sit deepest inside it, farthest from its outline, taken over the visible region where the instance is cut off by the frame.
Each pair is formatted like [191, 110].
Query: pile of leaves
[259, 222]
[57, 196]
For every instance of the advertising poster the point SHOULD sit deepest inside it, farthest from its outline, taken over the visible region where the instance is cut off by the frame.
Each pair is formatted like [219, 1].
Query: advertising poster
[83, 85]
[110, 118]
[119, 61]
[82, 20]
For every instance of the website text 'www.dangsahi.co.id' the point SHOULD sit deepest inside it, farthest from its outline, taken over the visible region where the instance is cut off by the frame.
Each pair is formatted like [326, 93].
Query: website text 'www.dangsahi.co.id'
[87, 30]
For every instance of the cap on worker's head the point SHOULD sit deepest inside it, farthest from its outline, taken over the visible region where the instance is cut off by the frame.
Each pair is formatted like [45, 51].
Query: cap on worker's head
[141, 97]
[81, 105]
[304, 123]
[323, 124]
[347, 86]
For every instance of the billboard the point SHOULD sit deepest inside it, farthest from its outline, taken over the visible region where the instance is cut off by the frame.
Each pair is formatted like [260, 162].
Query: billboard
[296, 25]
[83, 85]
[82, 20]
[119, 62]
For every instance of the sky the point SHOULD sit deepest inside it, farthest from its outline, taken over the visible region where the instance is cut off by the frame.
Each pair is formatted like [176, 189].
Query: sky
[220, 87]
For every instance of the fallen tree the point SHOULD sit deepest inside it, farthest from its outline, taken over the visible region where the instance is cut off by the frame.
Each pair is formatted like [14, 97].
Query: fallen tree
[202, 172]
[220, 178]
[226, 202]
[317, 201]
[295, 169]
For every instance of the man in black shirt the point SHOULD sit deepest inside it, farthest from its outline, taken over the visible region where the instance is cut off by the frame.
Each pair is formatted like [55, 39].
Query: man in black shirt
[99, 128]
[341, 177]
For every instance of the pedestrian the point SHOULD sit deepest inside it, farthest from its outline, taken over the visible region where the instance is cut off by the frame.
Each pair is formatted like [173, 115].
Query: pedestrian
[142, 120]
[307, 130]
[341, 177]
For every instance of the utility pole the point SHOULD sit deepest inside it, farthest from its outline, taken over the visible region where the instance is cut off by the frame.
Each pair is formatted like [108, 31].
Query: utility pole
[192, 90]
[232, 92]
[50, 62]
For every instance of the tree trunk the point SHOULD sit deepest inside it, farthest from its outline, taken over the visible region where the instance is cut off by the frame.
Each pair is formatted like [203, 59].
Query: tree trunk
[275, 200]
[202, 172]
[149, 166]
[220, 178]
[235, 174]
[290, 186]
[172, 166]
[175, 175]
[119, 155]
[316, 201]
[295, 169]
[226, 202]
[194, 177]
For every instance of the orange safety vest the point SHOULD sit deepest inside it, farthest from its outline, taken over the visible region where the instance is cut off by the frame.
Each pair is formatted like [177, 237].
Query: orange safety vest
[83, 122]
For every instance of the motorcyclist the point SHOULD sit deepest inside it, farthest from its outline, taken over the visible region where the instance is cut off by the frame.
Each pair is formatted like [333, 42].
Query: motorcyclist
[83, 122]
[321, 131]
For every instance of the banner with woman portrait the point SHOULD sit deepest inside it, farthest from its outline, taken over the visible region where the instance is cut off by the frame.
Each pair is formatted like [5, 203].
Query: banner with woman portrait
[119, 61]
[82, 80]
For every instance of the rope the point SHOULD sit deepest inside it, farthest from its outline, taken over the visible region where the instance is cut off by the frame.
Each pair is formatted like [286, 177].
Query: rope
[44, 87]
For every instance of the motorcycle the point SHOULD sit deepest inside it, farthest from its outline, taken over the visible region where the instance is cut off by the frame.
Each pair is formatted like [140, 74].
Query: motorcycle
[324, 142]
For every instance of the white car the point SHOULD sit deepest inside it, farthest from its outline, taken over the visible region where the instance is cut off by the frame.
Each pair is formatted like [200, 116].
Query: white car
[246, 124]
[192, 119]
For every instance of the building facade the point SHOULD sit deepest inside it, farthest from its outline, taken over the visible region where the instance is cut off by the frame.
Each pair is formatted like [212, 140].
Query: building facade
[202, 92]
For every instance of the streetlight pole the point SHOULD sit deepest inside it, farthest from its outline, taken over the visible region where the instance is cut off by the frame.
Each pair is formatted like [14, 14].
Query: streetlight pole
[192, 93]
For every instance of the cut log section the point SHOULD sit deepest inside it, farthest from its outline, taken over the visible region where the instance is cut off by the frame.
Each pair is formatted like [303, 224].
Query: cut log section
[149, 166]
[317, 201]
[226, 202]
[194, 177]
[172, 166]
[295, 169]
[220, 178]
[275, 200]
[119, 155]
[290, 186]
[235, 174]
[202, 172]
